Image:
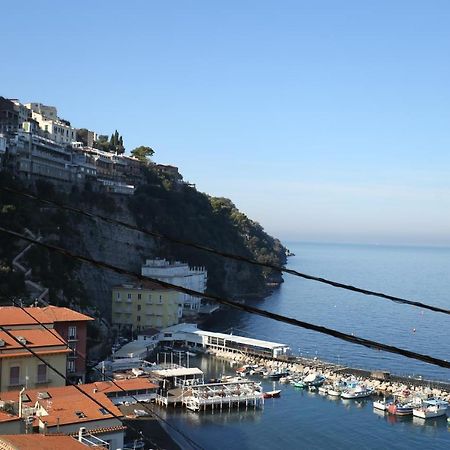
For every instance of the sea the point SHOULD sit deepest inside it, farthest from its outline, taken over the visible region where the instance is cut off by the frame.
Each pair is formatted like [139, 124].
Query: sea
[300, 419]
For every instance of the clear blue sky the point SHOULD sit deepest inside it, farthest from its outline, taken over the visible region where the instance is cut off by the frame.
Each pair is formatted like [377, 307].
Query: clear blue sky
[323, 120]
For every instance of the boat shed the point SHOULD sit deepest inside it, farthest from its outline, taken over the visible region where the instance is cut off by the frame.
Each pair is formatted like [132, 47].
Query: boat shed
[188, 334]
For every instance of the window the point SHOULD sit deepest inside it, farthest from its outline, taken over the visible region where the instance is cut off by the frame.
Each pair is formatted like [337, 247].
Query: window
[139, 296]
[14, 373]
[139, 307]
[73, 347]
[129, 296]
[72, 332]
[71, 366]
[138, 318]
[160, 299]
[41, 373]
[118, 295]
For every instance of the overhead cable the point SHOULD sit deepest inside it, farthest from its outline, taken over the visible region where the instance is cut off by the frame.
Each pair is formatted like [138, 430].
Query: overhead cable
[242, 307]
[236, 257]
[144, 405]
[76, 386]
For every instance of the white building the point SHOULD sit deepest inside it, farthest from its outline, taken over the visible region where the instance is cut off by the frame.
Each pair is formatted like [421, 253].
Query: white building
[188, 334]
[179, 274]
[50, 125]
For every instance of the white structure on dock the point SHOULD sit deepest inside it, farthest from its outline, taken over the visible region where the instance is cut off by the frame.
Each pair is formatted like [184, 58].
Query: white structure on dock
[188, 334]
[223, 395]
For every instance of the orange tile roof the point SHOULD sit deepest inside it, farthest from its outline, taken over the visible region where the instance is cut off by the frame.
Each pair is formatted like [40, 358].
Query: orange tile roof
[64, 403]
[39, 442]
[130, 384]
[38, 339]
[5, 417]
[13, 315]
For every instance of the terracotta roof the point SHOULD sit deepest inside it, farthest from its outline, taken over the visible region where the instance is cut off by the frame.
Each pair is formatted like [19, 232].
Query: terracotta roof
[38, 339]
[130, 384]
[12, 315]
[5, 417]
[39, 442]
[67, 405]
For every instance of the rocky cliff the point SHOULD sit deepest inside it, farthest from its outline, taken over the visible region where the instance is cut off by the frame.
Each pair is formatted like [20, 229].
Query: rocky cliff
[160, 204]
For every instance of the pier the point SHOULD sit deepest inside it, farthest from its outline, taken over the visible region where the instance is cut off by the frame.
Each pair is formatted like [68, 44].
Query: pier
[200, 397]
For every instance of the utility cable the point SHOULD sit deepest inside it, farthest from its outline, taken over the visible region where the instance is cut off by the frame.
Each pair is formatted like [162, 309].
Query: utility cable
[76, 386]
[241, 258]
[242, 307]
[144, 405]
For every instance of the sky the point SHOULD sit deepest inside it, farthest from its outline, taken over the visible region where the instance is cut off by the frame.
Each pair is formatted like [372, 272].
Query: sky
[322, 120]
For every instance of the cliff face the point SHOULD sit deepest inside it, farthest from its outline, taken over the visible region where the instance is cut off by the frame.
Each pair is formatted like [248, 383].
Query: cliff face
[161, 205]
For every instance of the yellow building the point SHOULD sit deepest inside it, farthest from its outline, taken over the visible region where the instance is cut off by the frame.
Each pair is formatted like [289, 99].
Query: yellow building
[145, 305]
[19, 368]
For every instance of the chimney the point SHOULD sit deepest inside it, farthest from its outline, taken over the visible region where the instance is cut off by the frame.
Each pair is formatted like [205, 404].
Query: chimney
[20, 401]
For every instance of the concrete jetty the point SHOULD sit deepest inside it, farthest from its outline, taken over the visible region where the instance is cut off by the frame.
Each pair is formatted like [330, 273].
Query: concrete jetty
[382, 382]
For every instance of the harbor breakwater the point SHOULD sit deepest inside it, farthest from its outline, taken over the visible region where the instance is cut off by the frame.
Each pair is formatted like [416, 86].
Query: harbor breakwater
[383, 383]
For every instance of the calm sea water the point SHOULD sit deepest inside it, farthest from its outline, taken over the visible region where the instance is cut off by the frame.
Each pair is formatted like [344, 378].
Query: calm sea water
[304, 420]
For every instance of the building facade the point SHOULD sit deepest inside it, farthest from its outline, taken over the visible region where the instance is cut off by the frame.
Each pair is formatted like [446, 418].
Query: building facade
[145, 305]
[178, 274]
[20, 368]
[68, 325]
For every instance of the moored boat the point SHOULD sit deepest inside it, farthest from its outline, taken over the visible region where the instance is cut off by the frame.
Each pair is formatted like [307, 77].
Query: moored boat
[272, 394]
[381, 405]
[360, 391]
[400, 409]
[314, 379]
[431, 408]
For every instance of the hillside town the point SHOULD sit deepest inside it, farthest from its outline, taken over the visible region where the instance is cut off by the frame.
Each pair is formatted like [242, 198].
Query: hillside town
[36, 143]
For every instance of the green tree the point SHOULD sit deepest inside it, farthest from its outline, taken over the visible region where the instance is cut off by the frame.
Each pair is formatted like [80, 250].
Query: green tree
[143, 153]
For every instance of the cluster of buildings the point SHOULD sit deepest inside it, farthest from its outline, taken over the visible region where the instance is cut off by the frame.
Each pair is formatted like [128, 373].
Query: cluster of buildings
[36, 143]
[139, 306]
[37, 408]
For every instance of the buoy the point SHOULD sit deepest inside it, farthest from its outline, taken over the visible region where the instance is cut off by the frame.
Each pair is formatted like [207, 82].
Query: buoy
[414, 330]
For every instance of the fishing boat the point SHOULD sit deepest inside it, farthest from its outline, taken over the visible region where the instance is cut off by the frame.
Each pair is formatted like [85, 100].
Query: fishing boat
[323, 390]
[400, 409]
[314, 379]
[298, 383]
[276, 375]
[381, 405]
[272, 394]
[431, 408]
[360, 391]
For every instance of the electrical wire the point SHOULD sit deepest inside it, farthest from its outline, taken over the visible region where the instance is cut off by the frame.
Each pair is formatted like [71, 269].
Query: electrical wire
[240, 258]
[144, 405]
[242, 307]
[76, 386]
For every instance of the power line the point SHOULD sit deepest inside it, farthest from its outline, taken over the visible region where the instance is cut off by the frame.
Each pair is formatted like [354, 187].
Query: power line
[144, 405]
[241, 258]
[242, 307]
[98, 403]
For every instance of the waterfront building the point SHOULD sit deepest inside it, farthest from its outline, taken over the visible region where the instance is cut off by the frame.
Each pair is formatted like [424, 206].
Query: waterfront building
[23, 112]
[67, 411]
[67, 324]
[189, 334]
[179, 274]
[144, 305]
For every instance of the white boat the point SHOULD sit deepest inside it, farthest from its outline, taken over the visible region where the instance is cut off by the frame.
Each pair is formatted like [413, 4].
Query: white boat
[333, 392]
[381, 405]
[360, 391]
[323, 390]
[431, 408]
